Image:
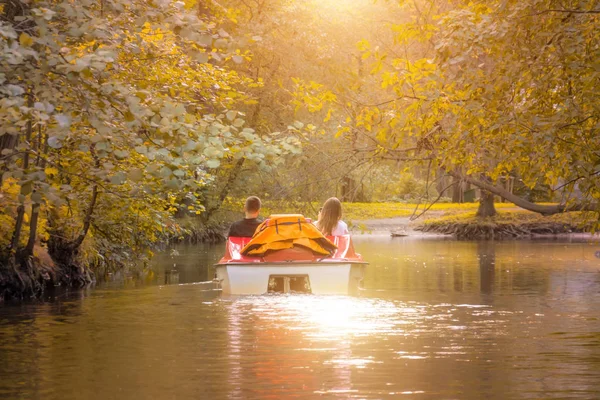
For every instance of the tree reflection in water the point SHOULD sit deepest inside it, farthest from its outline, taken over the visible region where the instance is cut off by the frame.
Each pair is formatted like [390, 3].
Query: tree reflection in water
[486, 251]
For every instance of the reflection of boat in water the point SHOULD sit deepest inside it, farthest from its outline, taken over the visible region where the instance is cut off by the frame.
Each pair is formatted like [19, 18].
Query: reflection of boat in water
[288, 254]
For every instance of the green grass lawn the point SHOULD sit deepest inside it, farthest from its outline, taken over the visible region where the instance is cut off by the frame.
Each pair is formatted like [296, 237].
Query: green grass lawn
[362, 211]
[439, 218]
[516, 216]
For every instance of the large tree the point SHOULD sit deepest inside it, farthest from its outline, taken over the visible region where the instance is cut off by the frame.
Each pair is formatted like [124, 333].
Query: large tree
[488, 91]
[111, 112]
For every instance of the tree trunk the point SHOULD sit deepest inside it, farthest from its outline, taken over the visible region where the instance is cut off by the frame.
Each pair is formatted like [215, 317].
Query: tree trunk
[7, 141]
[457, 190]
[33, 224]
[87, 220]
[14, 243]
[486, 205]
[21, 208]
[38, 146]
[64, 252]
[486, 251]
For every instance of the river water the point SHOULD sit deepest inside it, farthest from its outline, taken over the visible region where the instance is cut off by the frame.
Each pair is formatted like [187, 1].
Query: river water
[438, 319]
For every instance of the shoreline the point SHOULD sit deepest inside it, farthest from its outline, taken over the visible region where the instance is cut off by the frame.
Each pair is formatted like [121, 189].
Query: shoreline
[12, 286]
[388, 226]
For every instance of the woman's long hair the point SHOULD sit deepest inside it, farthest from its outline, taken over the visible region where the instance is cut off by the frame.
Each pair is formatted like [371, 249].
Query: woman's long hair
[330, 214]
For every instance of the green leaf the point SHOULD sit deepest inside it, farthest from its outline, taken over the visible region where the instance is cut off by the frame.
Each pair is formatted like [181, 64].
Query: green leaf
[36, 197]
[231, 115]
[121, 154]
[26, 188]
[97, 138]
[102, 146]
[63, 120]
[118, 178]
[165, 172]
[205, 40]
[54, 142]
[220, 44]
[39, 176]
[212, 152]
[135, 174]
[214, 163]
[173, 184]
[141, 149]
[201, 57]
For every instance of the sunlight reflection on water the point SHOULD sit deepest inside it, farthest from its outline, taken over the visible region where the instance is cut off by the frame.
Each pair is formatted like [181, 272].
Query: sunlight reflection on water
[326, 317]
[351, 334]
[459, 328]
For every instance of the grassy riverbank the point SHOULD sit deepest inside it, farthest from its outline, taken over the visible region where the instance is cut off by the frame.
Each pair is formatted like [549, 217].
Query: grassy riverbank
[507, 224]
[458, 220]
[357, 211]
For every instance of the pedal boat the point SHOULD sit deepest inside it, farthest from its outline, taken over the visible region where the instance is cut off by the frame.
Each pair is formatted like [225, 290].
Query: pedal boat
[298, 269]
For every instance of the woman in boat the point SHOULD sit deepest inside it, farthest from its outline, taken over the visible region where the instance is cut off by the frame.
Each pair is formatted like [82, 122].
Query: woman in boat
[330, 219]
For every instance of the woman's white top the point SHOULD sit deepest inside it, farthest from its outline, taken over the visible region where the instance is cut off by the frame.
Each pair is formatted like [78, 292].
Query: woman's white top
[340, 229]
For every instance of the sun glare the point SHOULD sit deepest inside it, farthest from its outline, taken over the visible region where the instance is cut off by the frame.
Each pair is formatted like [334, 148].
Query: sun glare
[332, 317]
[327, 317]
[342, 5]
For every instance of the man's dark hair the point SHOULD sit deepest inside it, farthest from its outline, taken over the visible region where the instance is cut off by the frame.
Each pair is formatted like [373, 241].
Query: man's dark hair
[252, 204]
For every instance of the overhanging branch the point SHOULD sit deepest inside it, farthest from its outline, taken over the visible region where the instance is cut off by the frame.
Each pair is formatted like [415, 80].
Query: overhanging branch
[527, 205]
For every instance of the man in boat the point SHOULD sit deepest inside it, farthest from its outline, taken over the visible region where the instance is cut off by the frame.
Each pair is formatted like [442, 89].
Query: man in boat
[247, 226]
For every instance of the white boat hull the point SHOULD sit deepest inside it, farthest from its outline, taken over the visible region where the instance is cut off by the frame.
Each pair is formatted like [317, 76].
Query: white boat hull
[323, 278]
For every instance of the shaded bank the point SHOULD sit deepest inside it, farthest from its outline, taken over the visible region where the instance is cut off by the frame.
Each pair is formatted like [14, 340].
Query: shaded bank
[26, 277]
[31, 277]
[27, 280]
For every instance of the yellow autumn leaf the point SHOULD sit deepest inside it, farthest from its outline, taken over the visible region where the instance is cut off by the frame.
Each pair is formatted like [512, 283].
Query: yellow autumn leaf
[129, 117]
[50, 171]
[25, 40]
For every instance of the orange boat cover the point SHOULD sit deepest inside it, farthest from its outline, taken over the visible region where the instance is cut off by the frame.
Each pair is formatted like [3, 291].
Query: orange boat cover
[284, 231]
